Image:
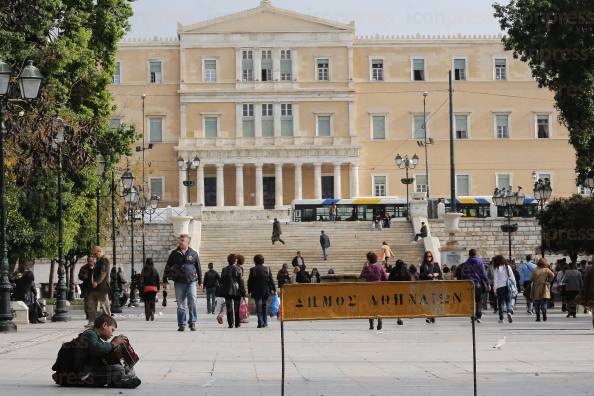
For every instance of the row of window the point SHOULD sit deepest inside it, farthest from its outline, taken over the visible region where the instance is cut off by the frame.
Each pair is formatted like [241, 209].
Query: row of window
[542, 128]
[210, 74]
[502, 180]
[324, 124]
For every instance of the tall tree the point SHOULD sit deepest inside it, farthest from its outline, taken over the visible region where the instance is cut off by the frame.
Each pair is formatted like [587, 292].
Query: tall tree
[74, 44]
[556, 38]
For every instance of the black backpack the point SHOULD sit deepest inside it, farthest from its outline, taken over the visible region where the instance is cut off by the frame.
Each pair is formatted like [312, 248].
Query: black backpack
[68, 356]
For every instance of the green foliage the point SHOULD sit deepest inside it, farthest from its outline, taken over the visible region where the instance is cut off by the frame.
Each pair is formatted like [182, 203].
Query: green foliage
[568, 226]
[556, 39]
[74, 44]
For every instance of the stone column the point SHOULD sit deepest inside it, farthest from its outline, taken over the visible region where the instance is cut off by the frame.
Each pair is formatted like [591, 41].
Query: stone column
[183, 129]
[354, 180]
[278, 185]
[257, 63]
[259, 186]
[352, 131]
[239, 185]
[276, 111]
[220, 185]
[258, 120]
[296, 125]
[238, 64]
[182, 189]
[318, 180]
[200, 184]
[298, 181]
[238, 120]
[337, 181]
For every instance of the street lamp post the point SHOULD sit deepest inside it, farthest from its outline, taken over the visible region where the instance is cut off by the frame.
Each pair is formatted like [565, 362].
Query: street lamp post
[147, 206]
[187, 165]
[406, 164]
[508, 200]
[542, 192]
[425, 142]
[131, 197]
[61, 314]
[29, 82]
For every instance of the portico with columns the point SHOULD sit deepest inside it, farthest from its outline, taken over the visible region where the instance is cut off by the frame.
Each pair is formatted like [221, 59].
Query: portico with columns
[270, 178]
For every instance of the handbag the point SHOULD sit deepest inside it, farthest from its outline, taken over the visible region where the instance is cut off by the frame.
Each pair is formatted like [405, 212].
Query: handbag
[512, 289]
[244, 311]
[150, 289]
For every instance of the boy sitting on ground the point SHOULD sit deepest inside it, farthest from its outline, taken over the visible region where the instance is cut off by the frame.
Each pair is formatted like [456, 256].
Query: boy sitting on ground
[84, 361]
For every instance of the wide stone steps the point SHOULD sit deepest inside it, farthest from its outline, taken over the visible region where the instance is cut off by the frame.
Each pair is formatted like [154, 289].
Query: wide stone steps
[350, 241]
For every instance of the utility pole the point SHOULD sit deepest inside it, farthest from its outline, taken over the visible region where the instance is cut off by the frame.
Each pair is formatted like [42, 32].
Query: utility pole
[426, 143]
[452, 152]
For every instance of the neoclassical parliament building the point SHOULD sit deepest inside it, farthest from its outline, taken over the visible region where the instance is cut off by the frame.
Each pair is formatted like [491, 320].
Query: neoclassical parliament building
[280, 106]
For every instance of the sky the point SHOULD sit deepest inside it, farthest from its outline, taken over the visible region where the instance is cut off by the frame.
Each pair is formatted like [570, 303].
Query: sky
[160, 17]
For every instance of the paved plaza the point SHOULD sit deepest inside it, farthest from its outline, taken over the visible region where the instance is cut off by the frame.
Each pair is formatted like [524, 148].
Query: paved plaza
[323, 358]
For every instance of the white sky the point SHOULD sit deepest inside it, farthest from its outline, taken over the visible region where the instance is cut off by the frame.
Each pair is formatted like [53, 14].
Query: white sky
[160, 17]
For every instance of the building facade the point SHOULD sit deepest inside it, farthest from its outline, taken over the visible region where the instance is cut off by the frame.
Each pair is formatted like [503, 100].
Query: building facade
[281, 106]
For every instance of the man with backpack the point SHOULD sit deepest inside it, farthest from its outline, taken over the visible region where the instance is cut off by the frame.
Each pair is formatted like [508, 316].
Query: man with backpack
[84, 360]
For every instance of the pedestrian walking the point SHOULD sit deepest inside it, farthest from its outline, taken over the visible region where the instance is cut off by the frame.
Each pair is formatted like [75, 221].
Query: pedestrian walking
[183, 267]
[473, 269]
[276, 232]
[260, 287]
[25, 291]
[373, 272]
[149, 284]
[542, 277]
[503, 282]
[399, 273]
[571, 285]
[283, 277]
[525, 271]
[84, 275]
[556, 292]
[233, 290]
[325, 244]
[99, 293]
[211, 281]
[385, 253]
[430, 270]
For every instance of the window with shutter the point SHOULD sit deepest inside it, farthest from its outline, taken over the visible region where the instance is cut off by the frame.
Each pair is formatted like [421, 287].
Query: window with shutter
[155, 72]
[460, 69]
[267, 120]
[247, 65]
[210, 70]
[461, 122]
[286, 65]
[324, 126]
[323, 69]
[379, 127]
[155, 129]
[286, 119]
[211, 127]
[418, 69]
[248, 120]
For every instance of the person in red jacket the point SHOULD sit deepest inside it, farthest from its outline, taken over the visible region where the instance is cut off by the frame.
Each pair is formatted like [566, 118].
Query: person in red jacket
[373, 272]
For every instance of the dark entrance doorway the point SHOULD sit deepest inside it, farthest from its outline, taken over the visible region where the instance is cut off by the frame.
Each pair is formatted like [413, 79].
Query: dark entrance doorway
[210, 191]
[268, 182]
[327, 187]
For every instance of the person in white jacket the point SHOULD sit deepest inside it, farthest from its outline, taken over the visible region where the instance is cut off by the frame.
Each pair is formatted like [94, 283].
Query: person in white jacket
[502, 273]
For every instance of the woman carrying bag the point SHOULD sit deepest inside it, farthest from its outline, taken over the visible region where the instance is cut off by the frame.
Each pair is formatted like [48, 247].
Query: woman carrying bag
[504, 283]
[233, 289]
[149, 285]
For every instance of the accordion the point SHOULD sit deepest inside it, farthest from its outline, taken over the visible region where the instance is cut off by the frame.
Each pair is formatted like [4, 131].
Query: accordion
[123, 354]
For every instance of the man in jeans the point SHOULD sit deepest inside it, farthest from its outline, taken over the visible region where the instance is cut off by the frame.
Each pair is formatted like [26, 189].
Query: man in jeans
[260, 285]
[526, 270]
[183, 267]
[474, 270]
[211, 281]
[325, 244]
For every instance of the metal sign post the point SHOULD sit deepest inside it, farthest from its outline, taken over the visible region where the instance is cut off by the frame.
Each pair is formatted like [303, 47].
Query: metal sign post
[357, 300]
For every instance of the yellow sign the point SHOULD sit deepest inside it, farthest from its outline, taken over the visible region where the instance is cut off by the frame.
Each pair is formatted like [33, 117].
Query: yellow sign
[355, 300]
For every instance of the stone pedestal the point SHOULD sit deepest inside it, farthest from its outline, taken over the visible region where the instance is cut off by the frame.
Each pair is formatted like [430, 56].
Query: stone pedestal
[21, 312]
[418, 208]
[452, 253]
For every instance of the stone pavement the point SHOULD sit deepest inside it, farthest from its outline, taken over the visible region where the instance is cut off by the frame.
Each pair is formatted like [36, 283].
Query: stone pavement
[323, 358]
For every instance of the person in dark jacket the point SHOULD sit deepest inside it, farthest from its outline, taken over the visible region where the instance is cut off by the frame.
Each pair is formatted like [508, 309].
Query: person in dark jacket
[422, 233]
[24, 291]
[91, 355]
[84, 275]
[314, 276]
[283, 276]
[183, 267]
[100, 287]
[149, 284]
[473, 269]
[430, 270]
[298, 260]
[325, 244]
[233, 290]
[211, 281]
[373, 272]
[302, 275]
[399, 273]
[260, 287]
[276, 232]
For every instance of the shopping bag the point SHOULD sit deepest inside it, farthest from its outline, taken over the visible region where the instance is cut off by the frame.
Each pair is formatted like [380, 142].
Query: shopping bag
[274, 305]
[244, 311]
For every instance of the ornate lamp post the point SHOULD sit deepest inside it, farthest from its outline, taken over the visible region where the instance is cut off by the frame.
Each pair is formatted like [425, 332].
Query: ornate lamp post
[542, 192]
[509, 201]
[131, 197]
[147, 206]
[406, 164]
[29, 82]
[61, 314]
[187, 166]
